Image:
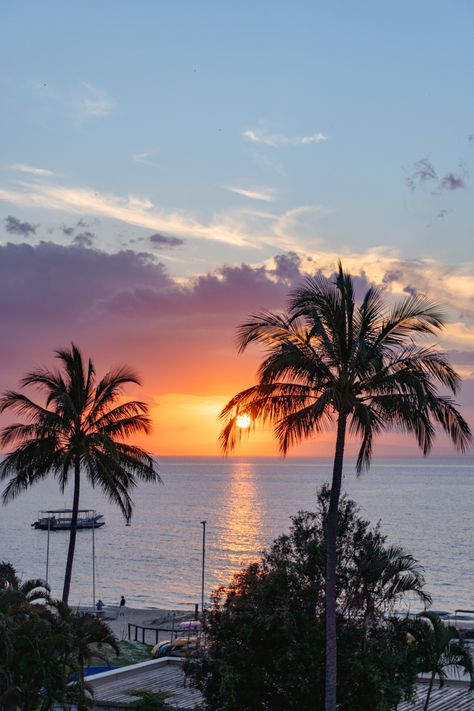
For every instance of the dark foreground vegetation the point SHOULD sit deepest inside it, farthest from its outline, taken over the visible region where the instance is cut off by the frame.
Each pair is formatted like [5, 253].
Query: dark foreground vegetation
[267, 630]
[44, 646]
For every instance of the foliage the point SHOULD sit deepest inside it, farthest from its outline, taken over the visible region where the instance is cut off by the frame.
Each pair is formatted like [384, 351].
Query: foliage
[150, 701]
[43, 644]
[328, 355]
[81, 427]
[438, 648]
[267, 627]
[329, 360]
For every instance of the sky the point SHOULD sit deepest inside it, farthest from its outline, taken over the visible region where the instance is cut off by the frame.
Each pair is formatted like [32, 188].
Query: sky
[169, 167]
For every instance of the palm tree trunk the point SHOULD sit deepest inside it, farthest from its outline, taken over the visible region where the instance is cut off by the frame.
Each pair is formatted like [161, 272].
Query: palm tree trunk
[331, 538]
[430, 687]
[72, 535]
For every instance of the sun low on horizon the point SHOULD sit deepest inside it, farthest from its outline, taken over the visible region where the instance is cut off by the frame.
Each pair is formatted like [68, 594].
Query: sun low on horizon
[152, 200]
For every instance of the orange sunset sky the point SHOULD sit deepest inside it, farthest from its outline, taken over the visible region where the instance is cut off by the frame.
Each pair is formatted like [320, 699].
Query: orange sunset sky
[189, 163]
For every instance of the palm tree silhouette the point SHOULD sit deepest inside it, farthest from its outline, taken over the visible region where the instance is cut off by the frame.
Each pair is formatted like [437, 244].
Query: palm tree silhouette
[439, 648]
[328, 361]
[80, 428]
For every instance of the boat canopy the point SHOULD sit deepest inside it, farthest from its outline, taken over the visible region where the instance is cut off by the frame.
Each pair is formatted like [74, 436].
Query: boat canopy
[66, 511]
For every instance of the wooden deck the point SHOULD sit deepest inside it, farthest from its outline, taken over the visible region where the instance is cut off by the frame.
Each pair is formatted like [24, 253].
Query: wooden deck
[110, 688]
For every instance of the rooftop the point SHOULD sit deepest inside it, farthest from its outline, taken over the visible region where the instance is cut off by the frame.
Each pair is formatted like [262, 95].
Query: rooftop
[110, 688]
[454, 696]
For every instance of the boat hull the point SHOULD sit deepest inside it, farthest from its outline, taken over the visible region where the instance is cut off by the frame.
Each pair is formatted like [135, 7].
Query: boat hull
[65, 525]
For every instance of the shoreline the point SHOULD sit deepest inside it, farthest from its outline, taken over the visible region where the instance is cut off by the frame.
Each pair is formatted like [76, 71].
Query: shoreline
[118, 618]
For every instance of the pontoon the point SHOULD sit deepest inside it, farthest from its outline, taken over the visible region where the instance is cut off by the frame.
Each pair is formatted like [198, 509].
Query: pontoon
[60, 519]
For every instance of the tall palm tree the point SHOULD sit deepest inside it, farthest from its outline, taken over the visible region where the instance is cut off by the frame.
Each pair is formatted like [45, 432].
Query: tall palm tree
[80, 429]
[439, 649]
[330, 361]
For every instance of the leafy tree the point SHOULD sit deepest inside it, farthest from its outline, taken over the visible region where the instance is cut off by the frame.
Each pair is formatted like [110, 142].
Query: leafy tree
[43, 643]
[330, 361]
[86, 635]
[267, 627]
[439, 648]
[386, 575]
[30, 647]
[80, 429]
[15, 589]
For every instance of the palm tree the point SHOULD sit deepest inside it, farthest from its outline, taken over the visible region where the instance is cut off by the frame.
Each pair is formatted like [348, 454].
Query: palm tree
[81, 427]
[330, 361]
[86, 635]
[18, 592]
[439, 648]
[384, 575]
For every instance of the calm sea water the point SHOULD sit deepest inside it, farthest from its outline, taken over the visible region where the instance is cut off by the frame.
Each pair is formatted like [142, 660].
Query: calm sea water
[427, 506]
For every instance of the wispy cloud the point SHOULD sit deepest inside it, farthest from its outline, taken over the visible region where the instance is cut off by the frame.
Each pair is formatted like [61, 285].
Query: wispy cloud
[422, 172]
[265, 194]
[452, 181]
[31, 169]
[146, 158]
[14, 226]
[277, 140]
[131, 209]
[93, 103]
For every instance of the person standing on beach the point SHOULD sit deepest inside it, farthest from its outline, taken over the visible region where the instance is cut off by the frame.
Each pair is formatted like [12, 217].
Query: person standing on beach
[122, 605]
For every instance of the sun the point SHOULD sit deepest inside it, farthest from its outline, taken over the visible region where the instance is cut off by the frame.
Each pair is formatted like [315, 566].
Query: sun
[243, 421]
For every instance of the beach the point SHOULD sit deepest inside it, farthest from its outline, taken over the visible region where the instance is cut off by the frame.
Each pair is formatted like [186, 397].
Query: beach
[119, 618]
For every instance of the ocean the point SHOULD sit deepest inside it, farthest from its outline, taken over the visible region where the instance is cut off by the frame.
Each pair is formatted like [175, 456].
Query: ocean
[424, 505]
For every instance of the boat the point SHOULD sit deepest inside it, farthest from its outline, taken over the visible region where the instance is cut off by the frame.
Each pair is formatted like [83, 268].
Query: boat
[60, 519]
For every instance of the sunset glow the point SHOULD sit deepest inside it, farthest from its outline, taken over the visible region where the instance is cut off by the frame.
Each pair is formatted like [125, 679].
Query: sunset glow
[148, 241]
[243, 421]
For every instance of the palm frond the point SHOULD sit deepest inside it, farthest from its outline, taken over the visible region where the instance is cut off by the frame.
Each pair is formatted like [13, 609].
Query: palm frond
[304, 422]
[414, 314]
[109, 388]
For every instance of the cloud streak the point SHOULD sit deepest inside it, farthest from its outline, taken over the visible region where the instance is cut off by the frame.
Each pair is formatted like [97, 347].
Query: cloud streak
[264, 194]
[131, 209]
[159, 240]
[93, 104]
[145, 158]
[31, 169]
[279, 140]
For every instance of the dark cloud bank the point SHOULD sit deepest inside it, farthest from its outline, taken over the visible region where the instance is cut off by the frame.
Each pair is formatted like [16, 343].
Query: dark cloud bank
[126, 308]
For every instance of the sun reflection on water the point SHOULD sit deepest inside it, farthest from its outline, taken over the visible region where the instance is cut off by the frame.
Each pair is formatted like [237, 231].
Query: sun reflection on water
[239, 526]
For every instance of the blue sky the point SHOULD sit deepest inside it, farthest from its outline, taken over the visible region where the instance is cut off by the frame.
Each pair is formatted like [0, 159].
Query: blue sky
[153, 99]
[183, 140]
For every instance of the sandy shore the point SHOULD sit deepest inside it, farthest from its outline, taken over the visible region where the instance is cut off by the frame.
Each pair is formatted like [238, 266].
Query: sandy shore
[118, 618]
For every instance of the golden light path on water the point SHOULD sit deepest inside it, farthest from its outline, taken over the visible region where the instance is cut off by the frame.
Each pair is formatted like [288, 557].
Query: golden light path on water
[424, 505]
[240, 522]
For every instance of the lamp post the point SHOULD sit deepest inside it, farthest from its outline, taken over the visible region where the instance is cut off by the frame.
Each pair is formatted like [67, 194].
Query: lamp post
[47, 551]
[203, 524]
[93, 560]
